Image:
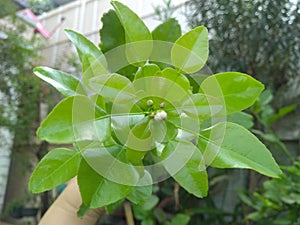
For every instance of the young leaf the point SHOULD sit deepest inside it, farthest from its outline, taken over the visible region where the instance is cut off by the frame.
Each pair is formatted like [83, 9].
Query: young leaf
[202, 106]
[73, 115]
[97, 191]
[190, 51]
[65, 83]
[192, 175]
[146, 71]
[168, 79]
[164, 35]
[57, 167]
[138, 37]
[92, 59]
[113, 87]
[111, 27]
[236, 90]
[168, 31]
[113, 45]
[239, 149]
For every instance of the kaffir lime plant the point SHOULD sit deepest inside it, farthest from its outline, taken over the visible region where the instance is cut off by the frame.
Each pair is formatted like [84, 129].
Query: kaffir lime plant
[134, 118]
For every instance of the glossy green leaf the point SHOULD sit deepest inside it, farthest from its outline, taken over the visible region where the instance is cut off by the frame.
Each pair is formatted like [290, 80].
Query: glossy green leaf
[92, 59]
[142, 211]
[236, 90]
[112, 207]
[75, 118]
[164, 34]
[190, 51]
[97, 191]
[192, 174]
[241, 118]
[113, 45]
[167, 31]
[111, 27]
[57, 167]
[228, 145]
[141, 194]
[83, 210]
[146, 71]
[113, 87]
[163, 131]
[65, 83]
[139, 142]
[111, 162]
[138, 37]
[168, 79]
[202, 106]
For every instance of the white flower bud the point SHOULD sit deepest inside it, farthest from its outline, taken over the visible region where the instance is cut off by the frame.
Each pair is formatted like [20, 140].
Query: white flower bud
[149, 102]
[160, 115]
[162, 105]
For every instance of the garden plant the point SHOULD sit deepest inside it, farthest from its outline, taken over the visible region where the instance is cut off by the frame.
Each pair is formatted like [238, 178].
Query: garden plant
[137, 117]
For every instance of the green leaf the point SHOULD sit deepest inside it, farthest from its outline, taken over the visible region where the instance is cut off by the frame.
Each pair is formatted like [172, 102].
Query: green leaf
[113, 87]
[111, 162]
[148, 221]
[190, 51]
[75, 118]
[139, 142]
[202, 106]
[57, 167]
[168, 79]
[83, 210]
[146, 71]
[140, 194]
[138, 37]
[180, 219]
[97, 191]
[282, 112]
[169, 31]
[164, 35]
[65, 83]
[112, 207]
[143, 211]
[113, 45]
[111, 27]
[228, 145]
[236, 90]
[192, 174]
[241, 118]
[92, 59]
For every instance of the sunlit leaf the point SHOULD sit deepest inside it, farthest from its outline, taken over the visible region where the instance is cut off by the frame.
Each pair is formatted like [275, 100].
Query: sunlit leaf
[97, 191]
[75, 118]
[65, 83]
[57, 167]
[190, 51]
[138, 37]
[92, 59]
[237, 91]
[228, 145]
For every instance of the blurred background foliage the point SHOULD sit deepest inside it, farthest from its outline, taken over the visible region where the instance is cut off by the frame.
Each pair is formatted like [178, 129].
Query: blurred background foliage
[258, 37]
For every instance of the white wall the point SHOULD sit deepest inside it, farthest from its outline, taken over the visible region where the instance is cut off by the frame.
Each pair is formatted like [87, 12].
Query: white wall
[6, 142]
